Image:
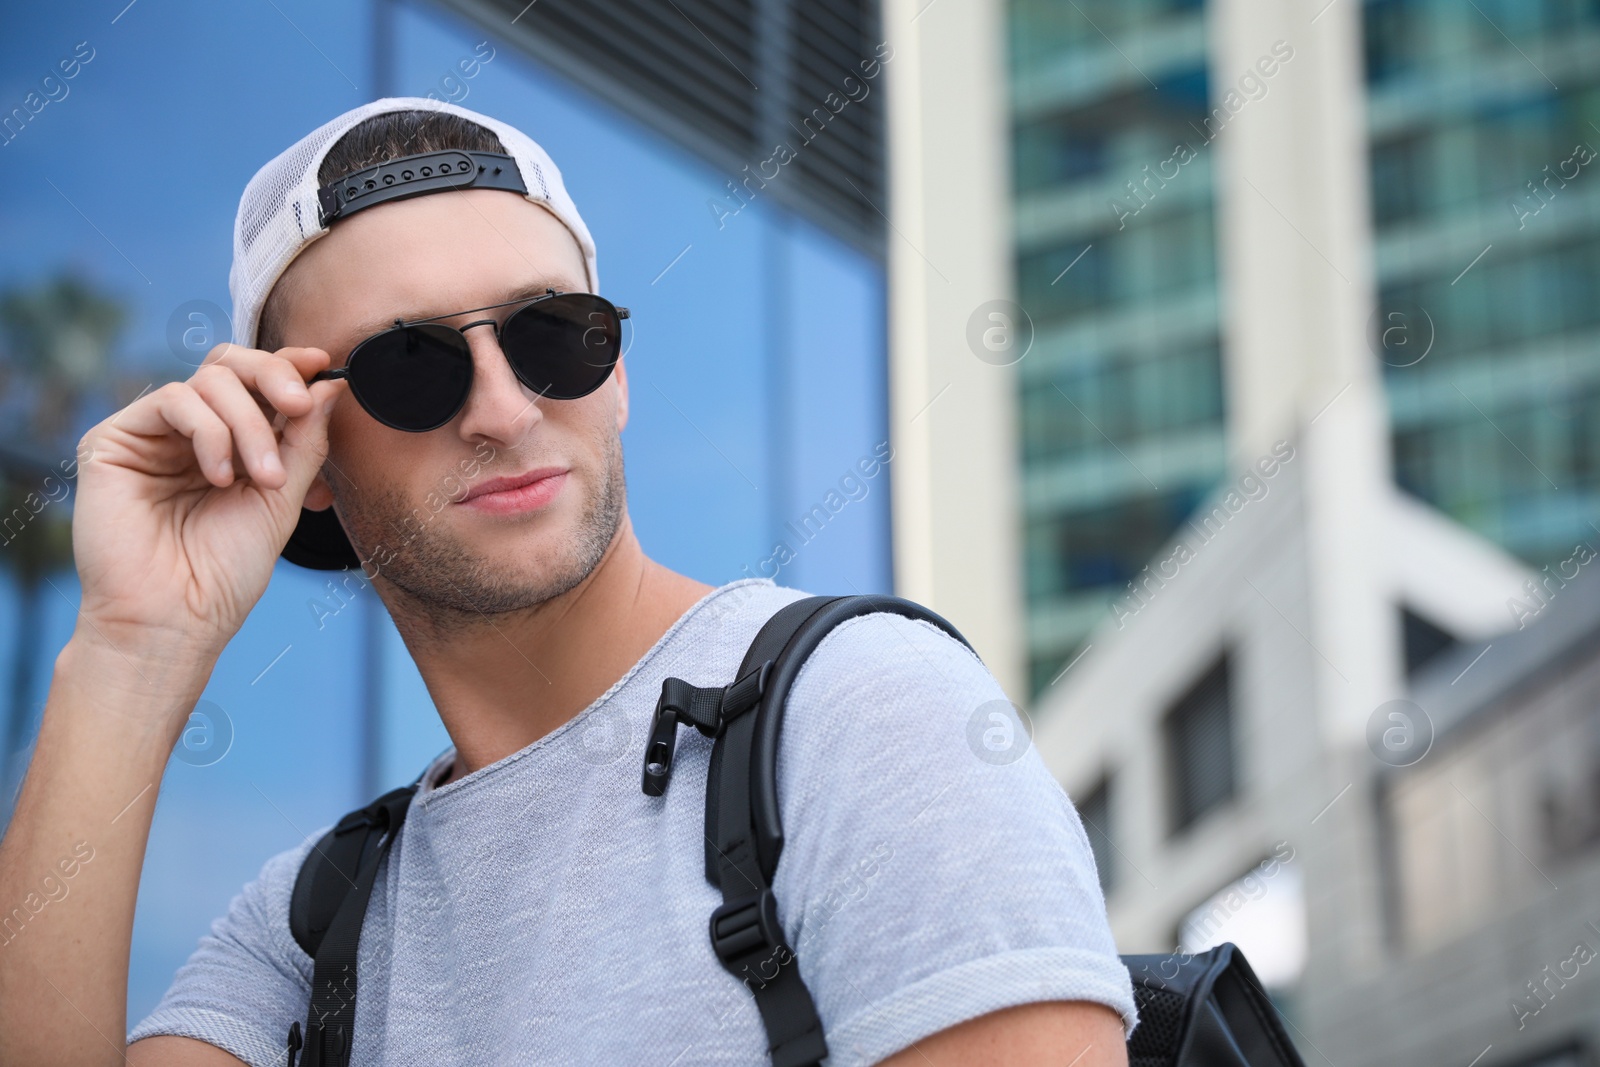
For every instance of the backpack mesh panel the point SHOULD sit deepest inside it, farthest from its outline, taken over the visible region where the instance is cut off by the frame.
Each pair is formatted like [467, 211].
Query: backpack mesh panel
[1155, 1041]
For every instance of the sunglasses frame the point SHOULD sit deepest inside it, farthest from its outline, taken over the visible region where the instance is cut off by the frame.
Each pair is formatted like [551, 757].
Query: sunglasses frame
[525, 302]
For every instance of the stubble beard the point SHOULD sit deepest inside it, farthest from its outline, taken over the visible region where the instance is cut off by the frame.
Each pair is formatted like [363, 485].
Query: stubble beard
[440, 586]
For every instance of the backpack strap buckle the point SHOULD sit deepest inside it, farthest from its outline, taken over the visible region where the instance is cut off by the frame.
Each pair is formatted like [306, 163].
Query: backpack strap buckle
[749, 942]
[708, 709]
[746, 932]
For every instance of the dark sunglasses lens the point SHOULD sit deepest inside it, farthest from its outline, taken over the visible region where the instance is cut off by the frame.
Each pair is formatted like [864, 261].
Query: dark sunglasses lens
[564, 346]
[413, 378]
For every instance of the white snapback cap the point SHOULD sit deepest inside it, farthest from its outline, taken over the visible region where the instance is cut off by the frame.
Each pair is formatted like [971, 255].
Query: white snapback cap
[281, 211]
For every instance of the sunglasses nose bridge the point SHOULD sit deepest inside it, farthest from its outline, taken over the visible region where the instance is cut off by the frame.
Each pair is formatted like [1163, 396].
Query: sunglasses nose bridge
[499, 363]
[482, 322]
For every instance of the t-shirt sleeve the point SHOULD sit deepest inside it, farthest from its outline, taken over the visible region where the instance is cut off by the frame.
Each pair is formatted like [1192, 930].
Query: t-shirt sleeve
[933, 870]
[247, 979]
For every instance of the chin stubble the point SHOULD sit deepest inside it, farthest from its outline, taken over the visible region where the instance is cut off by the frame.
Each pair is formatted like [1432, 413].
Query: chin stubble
[445, 586]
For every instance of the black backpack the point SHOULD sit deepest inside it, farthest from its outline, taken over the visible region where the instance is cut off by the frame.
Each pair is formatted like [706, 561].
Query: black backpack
[1204, 1009]
[1208, 1008]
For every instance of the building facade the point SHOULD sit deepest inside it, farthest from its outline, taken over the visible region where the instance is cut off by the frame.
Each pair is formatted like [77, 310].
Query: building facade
[1480, 149]
[1121, 400]
[1479, 124]
[1489, 860]
[1331, 714]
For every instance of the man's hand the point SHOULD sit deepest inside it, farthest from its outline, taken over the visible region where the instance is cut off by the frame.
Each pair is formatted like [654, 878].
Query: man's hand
[179, 519]
[188, 495]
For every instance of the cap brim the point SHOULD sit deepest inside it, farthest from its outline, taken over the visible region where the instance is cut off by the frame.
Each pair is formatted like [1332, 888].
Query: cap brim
[319, 543]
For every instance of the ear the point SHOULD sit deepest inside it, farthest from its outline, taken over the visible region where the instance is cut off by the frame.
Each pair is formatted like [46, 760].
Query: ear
[621, 372]
[319, 497]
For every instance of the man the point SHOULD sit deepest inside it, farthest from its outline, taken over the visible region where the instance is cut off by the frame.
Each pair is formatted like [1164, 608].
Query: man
[536, 907]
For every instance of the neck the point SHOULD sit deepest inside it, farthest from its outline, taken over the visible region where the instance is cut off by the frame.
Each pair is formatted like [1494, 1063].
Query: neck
[501, 686]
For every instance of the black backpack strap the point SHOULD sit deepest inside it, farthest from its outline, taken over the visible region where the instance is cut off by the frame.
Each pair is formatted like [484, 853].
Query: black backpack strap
[744, 834]
[326, 913]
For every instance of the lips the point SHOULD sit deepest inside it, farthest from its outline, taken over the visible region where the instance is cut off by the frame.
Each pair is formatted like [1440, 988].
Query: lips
[523, 494]
[501, 485]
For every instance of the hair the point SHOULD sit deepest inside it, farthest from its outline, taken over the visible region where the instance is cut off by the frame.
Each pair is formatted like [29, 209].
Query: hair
[379, 139]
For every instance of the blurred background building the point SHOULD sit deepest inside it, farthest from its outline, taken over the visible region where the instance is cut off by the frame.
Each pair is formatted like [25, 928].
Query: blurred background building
[1241, 362]
[1467, 139]
[1309, 480]
[1122, 398]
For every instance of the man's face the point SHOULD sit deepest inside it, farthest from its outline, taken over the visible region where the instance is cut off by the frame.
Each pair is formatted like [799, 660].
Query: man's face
[398, 494]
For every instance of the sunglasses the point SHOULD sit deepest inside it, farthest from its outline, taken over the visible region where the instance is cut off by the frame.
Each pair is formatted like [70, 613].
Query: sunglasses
[415, 376]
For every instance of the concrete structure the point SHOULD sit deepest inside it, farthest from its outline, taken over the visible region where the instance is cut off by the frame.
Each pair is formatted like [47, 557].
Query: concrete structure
[952, 413]
[1242, 580]
[1426, 906]
[1488, 858]
[1204, 187]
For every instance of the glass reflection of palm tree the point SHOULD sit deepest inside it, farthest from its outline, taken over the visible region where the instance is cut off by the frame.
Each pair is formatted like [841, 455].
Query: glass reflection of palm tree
[55, 343]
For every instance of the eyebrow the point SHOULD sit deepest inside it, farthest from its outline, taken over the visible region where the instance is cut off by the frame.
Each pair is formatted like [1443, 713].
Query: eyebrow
[521, 292]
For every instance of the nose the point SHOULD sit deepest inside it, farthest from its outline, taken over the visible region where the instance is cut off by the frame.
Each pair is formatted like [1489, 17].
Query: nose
[499, 406]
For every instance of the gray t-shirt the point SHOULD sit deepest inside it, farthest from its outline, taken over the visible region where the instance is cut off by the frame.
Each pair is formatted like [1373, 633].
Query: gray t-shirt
[543, 910]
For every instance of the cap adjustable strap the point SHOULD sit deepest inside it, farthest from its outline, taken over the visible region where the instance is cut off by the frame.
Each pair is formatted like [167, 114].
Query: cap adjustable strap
[425, 172]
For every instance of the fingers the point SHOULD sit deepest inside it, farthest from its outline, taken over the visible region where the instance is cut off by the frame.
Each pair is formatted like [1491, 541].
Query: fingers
[276, 385]
[176, 407]
[277, 378]
[305, 439]
[305, 448]
[281, 384]
[236, 404]
[253, 439]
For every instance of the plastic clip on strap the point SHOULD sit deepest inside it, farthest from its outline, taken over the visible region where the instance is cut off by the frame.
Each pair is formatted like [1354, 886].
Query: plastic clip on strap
[749, 942]
[708, 709]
